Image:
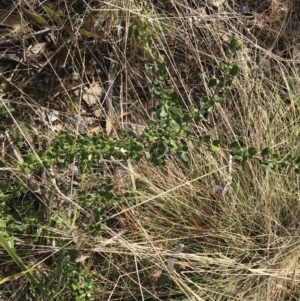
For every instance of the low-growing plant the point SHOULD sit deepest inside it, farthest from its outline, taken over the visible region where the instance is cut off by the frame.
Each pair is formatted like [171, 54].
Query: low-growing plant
[167, 135]
[79, 283]
[164, 136]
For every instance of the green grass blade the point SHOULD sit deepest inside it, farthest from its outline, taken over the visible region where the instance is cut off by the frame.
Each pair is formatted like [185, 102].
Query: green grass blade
[34, 281]
[35, 18]
[53, 15]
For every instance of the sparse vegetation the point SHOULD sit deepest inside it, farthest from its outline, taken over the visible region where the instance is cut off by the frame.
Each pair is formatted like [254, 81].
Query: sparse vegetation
[130, 128]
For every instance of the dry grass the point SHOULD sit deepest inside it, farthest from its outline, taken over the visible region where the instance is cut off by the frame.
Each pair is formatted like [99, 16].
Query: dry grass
[243, 245]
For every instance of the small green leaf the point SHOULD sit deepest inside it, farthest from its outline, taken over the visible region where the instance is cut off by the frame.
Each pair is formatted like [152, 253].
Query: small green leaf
[282, 164]
[215, 145]
[220, 85]
[245, 154]
[235, 45]
[234, 70]
[156, 92]
[208, 104]
[263, 163]
[149, 43]
[173, 97]
[297, 171]
[238, 159]
[137, 31]
[204, 139]
[167, 91]
[53, 15]
[252, 151]
[228, 83]
[215, 149]
[222, 66]
[174, 126]
[34, 18]
[186, 118]
[148, 67]
[199, 117]
[175, 111]
[205, 99]
[275, 156]
[187, 129]
[184, 148]
[217, 98]
[184, 157]
[162, 67]
[235, 145]
[173, 151]
[89, 22]
[297, 160]
[190, 144]
[216, 142]
[86, 33]
[267, 164]
[160, 78]
[164, 111]
[173, 143]
[193, 110]
[266, 152]
[213, 82]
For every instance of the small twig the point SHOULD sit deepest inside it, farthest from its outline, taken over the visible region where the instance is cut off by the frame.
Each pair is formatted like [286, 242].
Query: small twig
[138, 277]
[15, 57]
[110, 83]
[8, 169]
[228, 182]
[28, 36]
